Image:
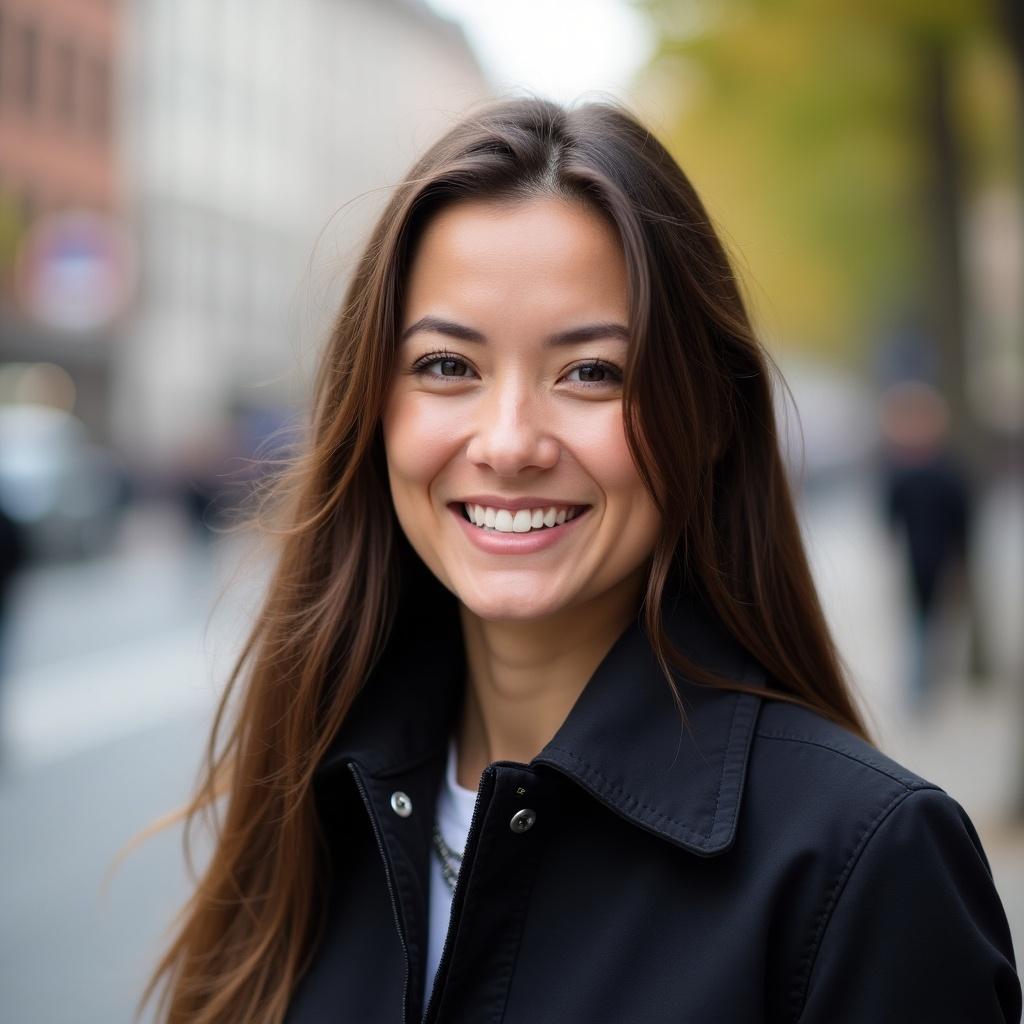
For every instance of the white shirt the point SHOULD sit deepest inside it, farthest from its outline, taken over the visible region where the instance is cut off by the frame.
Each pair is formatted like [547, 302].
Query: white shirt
[454, 812]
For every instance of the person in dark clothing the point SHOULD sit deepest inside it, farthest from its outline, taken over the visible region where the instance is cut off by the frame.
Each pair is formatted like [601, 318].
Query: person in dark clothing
[928, 505]
[13, 555]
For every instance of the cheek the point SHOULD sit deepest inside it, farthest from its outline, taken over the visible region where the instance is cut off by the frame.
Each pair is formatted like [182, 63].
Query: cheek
[418, 442]
[606, 458]
[605, 455]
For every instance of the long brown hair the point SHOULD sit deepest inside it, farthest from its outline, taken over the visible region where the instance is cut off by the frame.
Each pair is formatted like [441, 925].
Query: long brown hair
[699, 417]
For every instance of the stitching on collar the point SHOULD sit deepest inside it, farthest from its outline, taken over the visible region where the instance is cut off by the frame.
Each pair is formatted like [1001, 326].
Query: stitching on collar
[732, 758]
[621, 795]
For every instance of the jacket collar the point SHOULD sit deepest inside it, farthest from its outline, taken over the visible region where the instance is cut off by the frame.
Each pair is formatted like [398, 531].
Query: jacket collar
[623, 740]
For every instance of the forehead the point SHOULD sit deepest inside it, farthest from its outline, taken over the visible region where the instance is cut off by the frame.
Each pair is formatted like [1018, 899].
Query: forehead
[536, 256]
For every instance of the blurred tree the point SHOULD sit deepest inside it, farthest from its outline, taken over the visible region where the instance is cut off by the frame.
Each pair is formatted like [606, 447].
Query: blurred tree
[11, 229]
[1012, 16]
[1011, 13]
[832, 136]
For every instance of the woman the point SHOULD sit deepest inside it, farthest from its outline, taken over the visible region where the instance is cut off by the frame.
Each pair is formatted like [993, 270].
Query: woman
[542, 592]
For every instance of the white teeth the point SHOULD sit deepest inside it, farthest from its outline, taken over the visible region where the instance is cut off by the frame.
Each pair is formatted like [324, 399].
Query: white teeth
[520, 521]
[504, 521]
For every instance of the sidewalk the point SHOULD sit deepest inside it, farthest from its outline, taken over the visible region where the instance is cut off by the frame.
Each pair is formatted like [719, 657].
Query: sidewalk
[968, 739]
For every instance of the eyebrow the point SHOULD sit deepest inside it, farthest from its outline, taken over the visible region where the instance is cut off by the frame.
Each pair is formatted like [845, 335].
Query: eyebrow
[575, 335]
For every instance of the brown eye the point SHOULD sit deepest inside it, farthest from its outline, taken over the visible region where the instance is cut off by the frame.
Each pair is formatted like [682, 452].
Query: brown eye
[593, 373]
[441, 364]
[452, 368]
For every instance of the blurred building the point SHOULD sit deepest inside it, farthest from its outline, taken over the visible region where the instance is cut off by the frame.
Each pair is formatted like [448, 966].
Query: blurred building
[60, 191]
[260, 138]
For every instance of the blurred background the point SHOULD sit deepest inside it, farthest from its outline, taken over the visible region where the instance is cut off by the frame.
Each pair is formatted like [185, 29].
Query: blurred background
[184, 188]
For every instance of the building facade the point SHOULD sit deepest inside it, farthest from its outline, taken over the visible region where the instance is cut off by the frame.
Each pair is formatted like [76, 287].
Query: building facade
[260, 139]
[58, 154]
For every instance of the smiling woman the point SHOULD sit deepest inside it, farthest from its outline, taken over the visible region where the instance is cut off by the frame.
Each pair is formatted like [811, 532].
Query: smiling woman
[525, 403]
[541, 720]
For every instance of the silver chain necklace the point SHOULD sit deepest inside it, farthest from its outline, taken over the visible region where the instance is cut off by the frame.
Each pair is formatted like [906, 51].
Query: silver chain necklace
[450, 860]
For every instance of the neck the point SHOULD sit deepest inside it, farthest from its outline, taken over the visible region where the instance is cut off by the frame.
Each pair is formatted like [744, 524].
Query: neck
[523, 676]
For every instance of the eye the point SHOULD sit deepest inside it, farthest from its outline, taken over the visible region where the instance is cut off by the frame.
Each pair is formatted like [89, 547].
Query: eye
[449, 365]
[596, 373]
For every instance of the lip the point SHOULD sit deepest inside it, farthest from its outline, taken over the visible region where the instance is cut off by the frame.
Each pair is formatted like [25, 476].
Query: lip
[496, 543]
[514, 504]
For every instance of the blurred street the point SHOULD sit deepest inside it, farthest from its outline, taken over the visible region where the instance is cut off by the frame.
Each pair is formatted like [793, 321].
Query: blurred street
[114, 669]
[115, 666]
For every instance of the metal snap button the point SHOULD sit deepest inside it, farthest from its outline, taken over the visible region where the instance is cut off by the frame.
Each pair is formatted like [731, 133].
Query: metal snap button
[401, 804]
[522, 820]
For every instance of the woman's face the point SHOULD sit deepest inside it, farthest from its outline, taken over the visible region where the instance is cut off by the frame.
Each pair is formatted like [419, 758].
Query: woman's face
[506, 404]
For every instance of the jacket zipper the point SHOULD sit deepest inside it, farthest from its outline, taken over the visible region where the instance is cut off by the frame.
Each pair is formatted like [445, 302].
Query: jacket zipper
[360, 785]
[469, 853]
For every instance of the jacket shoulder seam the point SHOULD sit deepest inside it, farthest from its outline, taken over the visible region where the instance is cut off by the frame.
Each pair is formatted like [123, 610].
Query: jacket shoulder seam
[806, 966]
[909, 784]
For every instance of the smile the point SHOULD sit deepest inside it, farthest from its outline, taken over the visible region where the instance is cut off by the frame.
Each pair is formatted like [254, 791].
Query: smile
[499, 539]
[523, 520]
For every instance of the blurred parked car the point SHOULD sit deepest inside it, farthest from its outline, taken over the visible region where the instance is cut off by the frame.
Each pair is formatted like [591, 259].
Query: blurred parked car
[63, 490]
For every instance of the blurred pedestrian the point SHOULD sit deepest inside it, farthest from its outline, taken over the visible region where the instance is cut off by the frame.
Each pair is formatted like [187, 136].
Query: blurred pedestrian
[541, 719]
[13, 556]
[928, 506]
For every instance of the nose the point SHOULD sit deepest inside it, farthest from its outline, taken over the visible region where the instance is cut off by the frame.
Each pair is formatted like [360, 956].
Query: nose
[509, 432]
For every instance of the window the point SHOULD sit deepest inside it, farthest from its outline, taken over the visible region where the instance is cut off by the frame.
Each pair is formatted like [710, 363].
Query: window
[3, 56]
[67, 73]
[28, 67]
[99, 96]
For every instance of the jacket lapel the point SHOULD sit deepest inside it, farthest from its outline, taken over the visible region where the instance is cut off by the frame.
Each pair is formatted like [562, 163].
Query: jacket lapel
[623, 740]
[625, 743]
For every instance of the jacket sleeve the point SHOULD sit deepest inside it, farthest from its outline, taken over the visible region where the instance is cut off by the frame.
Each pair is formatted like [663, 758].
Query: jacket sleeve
[917, 931]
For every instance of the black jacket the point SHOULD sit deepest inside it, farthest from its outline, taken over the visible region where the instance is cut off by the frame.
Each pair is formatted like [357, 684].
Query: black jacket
[765, 865]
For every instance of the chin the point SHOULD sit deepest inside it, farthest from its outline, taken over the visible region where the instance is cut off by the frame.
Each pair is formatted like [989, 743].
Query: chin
[521, 604]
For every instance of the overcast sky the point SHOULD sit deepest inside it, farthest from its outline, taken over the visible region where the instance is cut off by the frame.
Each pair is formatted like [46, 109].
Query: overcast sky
[561, 49]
